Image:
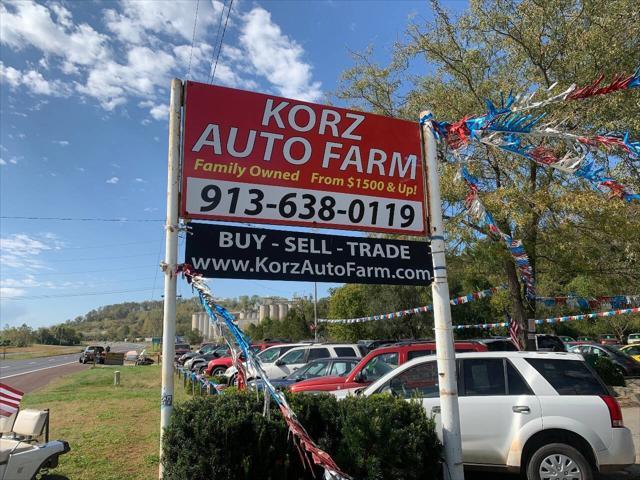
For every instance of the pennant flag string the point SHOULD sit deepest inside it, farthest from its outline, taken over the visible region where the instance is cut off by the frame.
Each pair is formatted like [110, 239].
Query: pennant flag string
[572, 301]
[309, 451]
[586, 316]
[426, 308]
[520, 257]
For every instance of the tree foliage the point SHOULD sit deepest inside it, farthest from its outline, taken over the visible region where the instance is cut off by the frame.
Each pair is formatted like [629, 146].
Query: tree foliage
[575, 237]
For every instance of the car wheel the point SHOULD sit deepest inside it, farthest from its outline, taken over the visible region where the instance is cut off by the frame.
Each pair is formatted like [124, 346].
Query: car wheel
[558, 460]
[218, 371]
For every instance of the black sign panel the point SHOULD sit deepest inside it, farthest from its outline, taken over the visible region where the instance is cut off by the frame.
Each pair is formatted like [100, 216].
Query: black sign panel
[222, 251]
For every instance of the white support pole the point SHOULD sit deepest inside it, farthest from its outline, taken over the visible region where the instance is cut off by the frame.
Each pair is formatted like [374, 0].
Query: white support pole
[170, 262]
[445, 348]
[315, 311]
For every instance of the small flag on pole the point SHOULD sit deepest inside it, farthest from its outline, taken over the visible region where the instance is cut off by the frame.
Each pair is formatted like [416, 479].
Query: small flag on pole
[9, 400]
[514, 331]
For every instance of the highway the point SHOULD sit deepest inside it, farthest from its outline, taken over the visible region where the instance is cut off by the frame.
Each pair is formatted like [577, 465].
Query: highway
[30, 374]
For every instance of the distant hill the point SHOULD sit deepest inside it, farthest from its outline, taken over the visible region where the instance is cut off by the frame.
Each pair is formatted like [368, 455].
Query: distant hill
[144, 319]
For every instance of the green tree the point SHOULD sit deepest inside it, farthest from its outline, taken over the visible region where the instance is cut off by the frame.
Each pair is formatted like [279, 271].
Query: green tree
[568, 229]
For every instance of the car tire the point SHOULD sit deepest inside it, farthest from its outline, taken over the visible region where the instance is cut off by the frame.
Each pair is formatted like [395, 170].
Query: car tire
[548, 457]
[218, 371]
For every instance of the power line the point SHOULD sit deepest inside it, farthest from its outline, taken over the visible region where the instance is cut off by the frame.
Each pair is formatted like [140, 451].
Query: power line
[193, 38]
[78, 219]
[86, 294]
[130, 267]
[213, 76]
[103, 258]
[215, 42]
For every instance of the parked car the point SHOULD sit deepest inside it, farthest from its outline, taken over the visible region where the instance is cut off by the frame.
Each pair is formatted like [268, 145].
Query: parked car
[566, 339]
[549, 343]
[625, 364]
[219, 366]
[199, 363]
[268, 355]
[633, 350]
[339, 366]
[92, 353]
[496, 344]
[608, 339]
[585, 339]
[633, 338]
[204, 349]
[181, 349]
[545, 414]
[299, 356]
[376, 364]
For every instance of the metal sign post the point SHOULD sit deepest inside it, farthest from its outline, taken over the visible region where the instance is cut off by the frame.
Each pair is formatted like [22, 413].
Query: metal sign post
[170, 262]
[445, 348]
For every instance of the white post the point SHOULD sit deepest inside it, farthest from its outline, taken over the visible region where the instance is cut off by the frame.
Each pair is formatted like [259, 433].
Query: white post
[445, 348]
[315, 311]
[170, 262]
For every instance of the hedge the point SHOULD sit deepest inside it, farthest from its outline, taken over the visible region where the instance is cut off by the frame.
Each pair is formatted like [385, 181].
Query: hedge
[227, 437]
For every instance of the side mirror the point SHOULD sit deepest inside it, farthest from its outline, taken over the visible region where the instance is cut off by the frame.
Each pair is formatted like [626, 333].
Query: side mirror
[279, 363]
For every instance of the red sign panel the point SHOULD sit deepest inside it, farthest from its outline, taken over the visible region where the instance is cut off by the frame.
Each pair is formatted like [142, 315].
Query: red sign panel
[257, 158]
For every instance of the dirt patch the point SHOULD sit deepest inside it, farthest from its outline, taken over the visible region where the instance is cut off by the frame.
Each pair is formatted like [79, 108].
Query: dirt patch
[629, 396]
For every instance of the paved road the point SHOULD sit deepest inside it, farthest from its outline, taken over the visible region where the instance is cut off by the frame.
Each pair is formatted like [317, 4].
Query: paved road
[27, 375]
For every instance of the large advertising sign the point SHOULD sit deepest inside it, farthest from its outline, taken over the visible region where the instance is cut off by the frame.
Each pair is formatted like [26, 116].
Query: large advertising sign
[225, 251]
[254, 158]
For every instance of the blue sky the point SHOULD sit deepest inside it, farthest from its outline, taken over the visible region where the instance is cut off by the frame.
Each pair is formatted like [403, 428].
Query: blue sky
[83, 129]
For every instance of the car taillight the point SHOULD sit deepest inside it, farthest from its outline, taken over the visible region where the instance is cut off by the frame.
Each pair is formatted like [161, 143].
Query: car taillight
[614, 411]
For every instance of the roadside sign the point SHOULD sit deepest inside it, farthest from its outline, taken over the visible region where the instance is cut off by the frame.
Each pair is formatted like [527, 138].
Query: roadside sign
[225, 251]
[255, 158]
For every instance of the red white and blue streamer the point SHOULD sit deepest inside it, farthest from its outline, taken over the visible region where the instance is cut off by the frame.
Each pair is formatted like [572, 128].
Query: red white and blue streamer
[308, 449]
[507, 126]
[520, 257]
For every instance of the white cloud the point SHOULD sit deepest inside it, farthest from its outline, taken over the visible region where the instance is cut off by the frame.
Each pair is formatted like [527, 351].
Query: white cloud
[144, 72]
[2, 161]
[62, 143]
[28, 23]
[141, 180]
[21, 250]
[151, 209]
[277, 57]
[33, 81]
[11, 292]
[160, 112]
[139, 19]
[80, 169]
[113, 180]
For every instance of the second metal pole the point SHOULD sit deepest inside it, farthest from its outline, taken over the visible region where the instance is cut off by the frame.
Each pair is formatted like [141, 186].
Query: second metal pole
[445, 348]
[170, 262]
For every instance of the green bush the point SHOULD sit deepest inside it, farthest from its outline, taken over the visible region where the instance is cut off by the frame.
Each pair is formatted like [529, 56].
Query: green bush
[610, 374]
[226, 437]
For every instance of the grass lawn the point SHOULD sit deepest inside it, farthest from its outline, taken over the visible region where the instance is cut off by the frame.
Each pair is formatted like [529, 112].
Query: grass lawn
[36, 351]
[113, 431]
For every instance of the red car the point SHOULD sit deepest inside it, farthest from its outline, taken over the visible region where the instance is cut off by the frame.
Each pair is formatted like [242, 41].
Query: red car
[608, 339]
[377, 363]
[218, 366]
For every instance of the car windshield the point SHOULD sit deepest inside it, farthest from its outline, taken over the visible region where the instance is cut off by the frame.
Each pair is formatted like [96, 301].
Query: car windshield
[310, 370]
[182, 346]
[616, 351]
[269, 355]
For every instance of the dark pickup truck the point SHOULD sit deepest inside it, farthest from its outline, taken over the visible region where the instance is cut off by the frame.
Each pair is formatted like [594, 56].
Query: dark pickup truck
[93, 353]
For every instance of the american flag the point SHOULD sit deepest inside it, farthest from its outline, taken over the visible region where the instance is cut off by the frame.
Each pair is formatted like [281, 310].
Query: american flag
[514, 331]
[9, 400]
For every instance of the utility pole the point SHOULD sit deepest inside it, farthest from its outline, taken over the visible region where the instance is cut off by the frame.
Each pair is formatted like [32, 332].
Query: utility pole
[170, 261]
[445, 348]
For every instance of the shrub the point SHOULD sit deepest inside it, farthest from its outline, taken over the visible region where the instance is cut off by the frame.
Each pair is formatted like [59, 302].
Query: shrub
[610, 374]
[226, 437]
